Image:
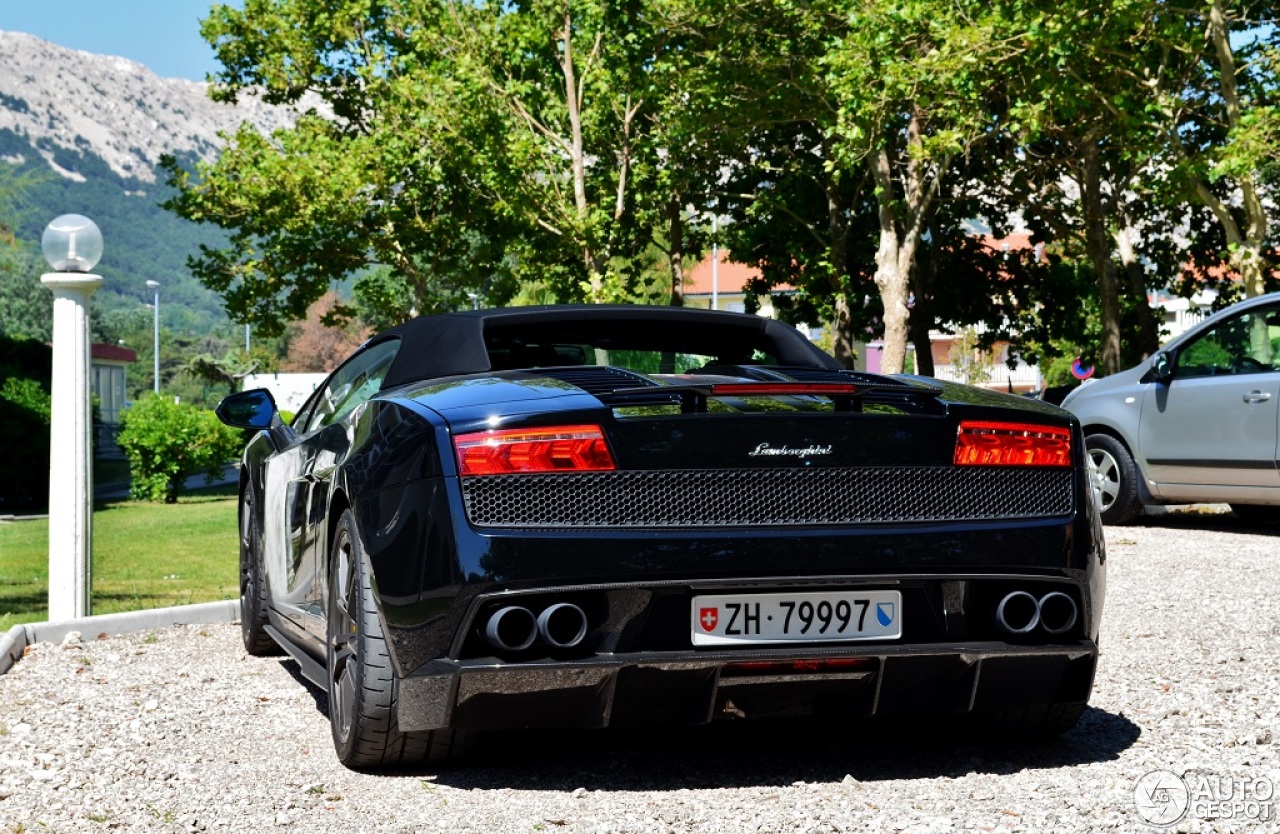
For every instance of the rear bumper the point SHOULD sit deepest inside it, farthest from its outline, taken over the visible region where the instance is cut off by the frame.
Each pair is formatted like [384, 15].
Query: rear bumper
[683, 688]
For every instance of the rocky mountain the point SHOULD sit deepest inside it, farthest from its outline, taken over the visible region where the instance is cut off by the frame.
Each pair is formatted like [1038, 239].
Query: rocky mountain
[111, 108]
[88, 131]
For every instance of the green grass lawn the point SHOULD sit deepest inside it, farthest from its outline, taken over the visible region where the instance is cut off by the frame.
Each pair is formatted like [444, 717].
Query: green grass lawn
[144, 556]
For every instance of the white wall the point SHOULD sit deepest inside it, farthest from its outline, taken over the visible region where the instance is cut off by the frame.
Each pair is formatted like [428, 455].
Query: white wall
[290, 390]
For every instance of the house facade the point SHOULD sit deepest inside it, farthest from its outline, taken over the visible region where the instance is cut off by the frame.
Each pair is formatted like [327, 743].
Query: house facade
[107, 364]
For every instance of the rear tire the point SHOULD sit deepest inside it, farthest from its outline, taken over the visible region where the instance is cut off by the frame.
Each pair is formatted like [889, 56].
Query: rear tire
[363, 687]
[253, 586]
[1116, 475]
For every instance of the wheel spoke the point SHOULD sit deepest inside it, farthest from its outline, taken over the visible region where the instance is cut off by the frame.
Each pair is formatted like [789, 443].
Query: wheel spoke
[1106, 476]
[344, 645]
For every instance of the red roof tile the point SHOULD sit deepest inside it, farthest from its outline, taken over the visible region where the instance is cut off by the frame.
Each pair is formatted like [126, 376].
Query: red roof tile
[112, 353]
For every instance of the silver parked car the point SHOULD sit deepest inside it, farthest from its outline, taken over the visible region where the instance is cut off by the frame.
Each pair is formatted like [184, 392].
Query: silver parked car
[1197, 422]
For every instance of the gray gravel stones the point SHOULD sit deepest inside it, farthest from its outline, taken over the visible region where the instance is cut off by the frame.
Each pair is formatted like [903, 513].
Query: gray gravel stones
[178, 731]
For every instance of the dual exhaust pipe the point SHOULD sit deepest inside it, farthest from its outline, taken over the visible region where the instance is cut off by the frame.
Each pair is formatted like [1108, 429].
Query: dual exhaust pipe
[1021, 613]
[514, 628]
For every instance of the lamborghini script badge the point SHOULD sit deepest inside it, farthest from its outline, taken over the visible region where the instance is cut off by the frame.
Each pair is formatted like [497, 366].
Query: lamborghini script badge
[765, 450]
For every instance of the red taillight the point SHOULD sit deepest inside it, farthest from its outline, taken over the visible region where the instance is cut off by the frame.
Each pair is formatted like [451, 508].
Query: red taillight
[1012, 444]
[556, 449]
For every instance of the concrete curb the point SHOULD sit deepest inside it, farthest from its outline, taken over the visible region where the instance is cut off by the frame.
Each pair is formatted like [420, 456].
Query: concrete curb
[12, 645]
[16, 639]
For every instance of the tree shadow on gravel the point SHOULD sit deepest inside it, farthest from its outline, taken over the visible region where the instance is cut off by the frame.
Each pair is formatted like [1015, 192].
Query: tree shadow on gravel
[1217, 522]
[759, 754]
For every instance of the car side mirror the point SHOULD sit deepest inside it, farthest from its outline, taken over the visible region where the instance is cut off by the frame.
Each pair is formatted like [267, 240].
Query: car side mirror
[1161, 366]
[253, 409]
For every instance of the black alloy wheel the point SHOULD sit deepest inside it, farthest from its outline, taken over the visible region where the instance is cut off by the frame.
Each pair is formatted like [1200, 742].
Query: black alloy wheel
[253, 586]
[362, 683]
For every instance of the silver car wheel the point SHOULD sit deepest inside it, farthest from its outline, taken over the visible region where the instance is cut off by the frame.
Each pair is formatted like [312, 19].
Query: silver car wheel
[1106, 474]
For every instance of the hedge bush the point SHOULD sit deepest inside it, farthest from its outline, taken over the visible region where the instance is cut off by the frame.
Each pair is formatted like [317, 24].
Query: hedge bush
[25, 367]
[167, 442]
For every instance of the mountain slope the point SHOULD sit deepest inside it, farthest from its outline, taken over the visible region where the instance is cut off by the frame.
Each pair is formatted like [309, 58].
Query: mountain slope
[91, 129]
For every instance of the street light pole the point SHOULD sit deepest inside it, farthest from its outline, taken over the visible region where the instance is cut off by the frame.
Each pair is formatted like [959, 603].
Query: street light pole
[155, 285]
[73, 245]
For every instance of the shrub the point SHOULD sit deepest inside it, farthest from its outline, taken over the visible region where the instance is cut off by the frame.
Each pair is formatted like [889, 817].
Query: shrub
[24, 425]
[24, 468]
[167, 442]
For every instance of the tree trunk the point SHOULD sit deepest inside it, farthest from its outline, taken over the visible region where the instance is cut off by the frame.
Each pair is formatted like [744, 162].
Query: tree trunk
[842, 331]
[838, 228]
[1147, 339]
[923, 279]
[675, 254]
[1246, 257]
[919, 330]
[903, 214]
[1098, 246]
[891, 278]
[577, 161]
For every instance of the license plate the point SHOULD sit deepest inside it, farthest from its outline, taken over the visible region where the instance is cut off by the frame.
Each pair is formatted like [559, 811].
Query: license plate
[738, 619]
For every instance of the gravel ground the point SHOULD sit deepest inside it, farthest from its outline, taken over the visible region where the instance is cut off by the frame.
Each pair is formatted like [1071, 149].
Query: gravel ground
[179, 730]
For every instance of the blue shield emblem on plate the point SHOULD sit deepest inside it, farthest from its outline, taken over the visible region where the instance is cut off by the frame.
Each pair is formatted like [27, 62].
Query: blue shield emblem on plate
[884, 613]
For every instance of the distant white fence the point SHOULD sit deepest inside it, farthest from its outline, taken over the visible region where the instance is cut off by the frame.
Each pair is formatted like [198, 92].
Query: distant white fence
[1022, 378]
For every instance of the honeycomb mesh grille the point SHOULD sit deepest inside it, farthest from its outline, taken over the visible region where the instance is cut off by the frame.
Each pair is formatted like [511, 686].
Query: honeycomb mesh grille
[759, 497]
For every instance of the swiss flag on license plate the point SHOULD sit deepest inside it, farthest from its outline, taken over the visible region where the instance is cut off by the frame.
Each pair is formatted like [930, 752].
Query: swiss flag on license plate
[708, 617]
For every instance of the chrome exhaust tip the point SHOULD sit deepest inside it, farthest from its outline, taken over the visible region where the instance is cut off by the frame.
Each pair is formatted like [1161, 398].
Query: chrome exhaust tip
[1018, 613]
[1058, 612]
[563, 625]
[511, 629]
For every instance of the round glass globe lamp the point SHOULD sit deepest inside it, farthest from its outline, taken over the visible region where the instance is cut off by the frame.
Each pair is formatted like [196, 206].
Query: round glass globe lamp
[72, 243]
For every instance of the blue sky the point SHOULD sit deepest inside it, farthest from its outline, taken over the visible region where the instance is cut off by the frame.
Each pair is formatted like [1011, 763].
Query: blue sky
[162, 34]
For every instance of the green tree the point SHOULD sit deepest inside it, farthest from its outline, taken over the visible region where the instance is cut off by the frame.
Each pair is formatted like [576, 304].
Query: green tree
[168, 442]
[25, 367]
[1225, 130]
[25, 305]
[453, 148]
[914, 84]
[369, 175]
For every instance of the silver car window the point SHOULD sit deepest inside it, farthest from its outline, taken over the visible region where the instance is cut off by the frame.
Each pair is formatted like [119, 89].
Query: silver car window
[1245, 344]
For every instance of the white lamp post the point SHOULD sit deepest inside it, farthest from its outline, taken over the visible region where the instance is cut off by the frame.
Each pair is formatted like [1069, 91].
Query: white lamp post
[155, 285]
[72, 245]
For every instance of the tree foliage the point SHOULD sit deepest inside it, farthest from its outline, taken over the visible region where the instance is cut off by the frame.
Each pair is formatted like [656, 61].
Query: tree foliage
[167, 442]
[25, 367]
[315, 346]
[853, 151]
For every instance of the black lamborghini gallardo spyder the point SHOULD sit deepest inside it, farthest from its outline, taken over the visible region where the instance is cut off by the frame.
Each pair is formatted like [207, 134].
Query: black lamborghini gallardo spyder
[608, 516]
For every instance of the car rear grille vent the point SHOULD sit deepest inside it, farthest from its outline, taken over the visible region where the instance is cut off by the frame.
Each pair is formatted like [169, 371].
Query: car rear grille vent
[768, 497]
[597, 379]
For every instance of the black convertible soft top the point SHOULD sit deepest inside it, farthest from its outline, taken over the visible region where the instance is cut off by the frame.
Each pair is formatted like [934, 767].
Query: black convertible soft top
[466, 342]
